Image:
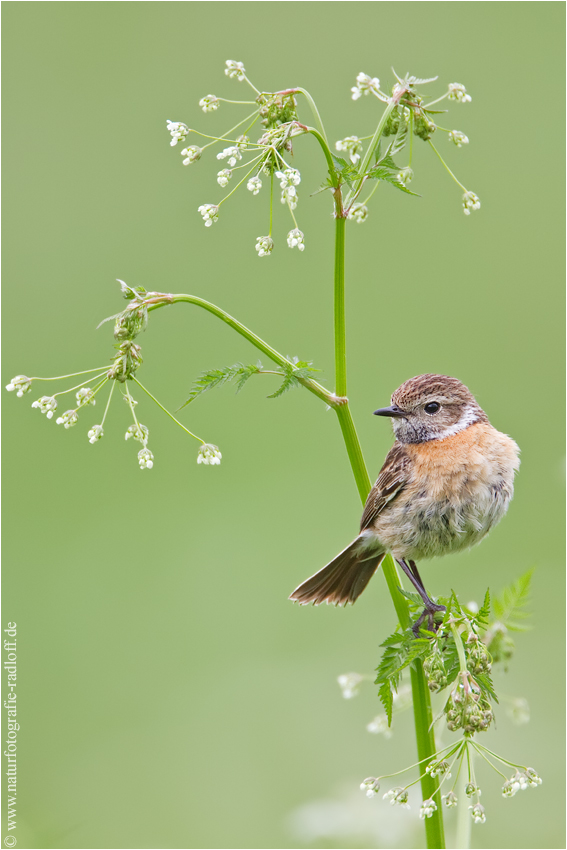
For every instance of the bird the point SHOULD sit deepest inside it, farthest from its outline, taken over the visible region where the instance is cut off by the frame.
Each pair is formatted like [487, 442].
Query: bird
[447, 480]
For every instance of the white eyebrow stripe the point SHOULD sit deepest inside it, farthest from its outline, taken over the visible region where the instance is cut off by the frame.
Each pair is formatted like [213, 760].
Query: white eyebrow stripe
[469, 417]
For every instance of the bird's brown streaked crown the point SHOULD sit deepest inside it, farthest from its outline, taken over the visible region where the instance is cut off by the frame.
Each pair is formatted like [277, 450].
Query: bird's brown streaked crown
[432, 407]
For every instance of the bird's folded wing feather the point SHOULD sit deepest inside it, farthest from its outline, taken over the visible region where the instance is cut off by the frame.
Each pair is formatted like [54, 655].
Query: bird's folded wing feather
[391, 481]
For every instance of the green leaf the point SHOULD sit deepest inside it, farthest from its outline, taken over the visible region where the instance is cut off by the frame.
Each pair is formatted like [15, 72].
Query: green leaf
[387, 699]
[485, 682]
[346, 171]
[217, 377]
[484, 612]
[508, 606]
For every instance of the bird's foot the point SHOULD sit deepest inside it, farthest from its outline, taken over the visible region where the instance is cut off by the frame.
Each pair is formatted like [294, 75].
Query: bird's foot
[429, 614]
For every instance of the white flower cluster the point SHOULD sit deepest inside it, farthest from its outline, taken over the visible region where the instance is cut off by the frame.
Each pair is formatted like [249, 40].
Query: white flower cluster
[138, 432]
[405, 176]
[450, 799]
[85, 396]
[358, 213]
[191, 153]
[295, 239]
[458, 92]
[47, 405]
[178, 131]
[438, 768]
[365, 85]
[209, 103]
[458, 138]
[68, 419]
[254, 185]
[371, 786]
[520, 781]
[223, 177]
[349, 684]
[352, 145]
[264, 245]
[234, 69]
[209, 454]
[96, 433]
[145, 458]
[397, 797]
[210, 213]
[21, 383]
[477, 813]
[427, 808]
[289, 179]
[233, 153]
[470, 202]
[379, 726]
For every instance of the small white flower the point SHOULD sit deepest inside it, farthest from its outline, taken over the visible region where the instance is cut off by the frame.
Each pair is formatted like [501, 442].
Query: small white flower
[533, 779]
[223, 177]
[68, 419]
[472, 789]
[379, 726]
[458, 92]
[365, 85]
[178, 131]
[209, 455]
[427, 808]
[477, 813]
[145, 458]
[349, 684]
[405, 176]
[264, 245]
[234, 69]
[233, 153]
[290, 197]
[450, 799]
[85, 396]
[210, 213]
[289, 178]
[352, 145]
[358, 213]
[47, 404]
[470, 202]
[191, 154]
[295, 239]
[131, 402]
[254, 185]
[209, 103]
[438, 768]
[96, 433]
[21, 383]
[397, 797]
[138, 432]
[371, 786]
[519, 711]
[458, 138]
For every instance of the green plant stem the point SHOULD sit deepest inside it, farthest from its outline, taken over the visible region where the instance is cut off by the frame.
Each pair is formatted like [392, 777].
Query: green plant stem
[423, 715]
[340, 324]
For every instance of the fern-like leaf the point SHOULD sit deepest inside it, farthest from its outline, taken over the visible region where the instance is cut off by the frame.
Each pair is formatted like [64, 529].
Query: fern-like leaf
[508, 607]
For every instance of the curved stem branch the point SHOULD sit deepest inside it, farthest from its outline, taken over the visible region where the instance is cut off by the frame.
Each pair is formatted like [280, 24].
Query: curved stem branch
[162, 299]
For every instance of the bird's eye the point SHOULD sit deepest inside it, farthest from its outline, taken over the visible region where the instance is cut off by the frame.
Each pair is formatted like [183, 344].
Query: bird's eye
[432, 407]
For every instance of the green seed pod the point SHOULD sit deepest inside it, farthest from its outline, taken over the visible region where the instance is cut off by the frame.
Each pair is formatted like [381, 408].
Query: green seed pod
[423, 127]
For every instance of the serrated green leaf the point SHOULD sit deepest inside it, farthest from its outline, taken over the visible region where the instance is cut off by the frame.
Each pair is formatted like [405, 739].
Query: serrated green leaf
[386, 697]
[484, 612]
[485, 682]
[288, 383]
[108, 319]
[508, 606]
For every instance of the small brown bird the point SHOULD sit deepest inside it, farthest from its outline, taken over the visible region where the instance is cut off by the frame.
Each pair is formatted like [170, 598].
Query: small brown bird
[446, 481]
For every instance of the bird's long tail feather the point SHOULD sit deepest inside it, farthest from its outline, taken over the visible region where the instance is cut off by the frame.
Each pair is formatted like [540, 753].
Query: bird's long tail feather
[341, 581]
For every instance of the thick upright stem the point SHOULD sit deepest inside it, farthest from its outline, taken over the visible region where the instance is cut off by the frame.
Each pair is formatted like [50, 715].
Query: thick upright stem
[340, 328]
[423, 716]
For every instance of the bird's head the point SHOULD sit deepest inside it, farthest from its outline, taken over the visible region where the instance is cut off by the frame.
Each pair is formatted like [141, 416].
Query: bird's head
[431, 407]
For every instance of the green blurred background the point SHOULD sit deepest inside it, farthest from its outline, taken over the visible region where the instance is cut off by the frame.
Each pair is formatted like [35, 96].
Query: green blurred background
[170, 695]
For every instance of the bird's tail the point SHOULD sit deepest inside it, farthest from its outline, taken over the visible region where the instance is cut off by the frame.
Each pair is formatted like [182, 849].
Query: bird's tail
[342, 581]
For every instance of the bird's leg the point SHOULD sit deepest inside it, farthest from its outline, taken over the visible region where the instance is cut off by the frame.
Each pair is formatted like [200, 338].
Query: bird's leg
[430, 607]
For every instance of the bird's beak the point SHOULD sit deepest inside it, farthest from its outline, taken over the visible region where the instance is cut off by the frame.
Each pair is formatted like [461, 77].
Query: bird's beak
[393, 411]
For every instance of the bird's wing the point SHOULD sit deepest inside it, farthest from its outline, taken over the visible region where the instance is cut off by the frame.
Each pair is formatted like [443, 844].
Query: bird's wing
[391, 481]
